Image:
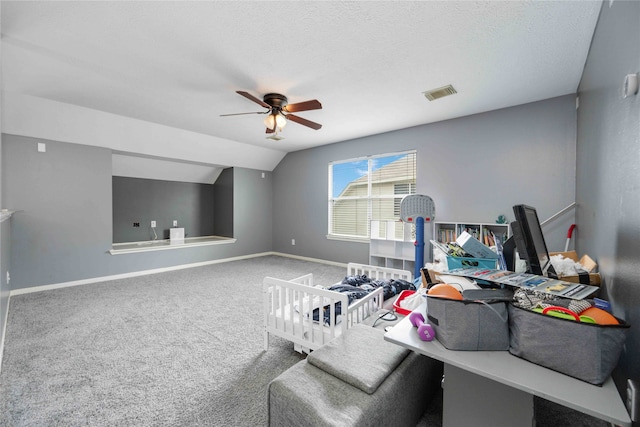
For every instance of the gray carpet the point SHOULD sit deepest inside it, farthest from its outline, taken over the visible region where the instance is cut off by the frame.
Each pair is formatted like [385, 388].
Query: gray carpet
[177, 348]
[182, 348]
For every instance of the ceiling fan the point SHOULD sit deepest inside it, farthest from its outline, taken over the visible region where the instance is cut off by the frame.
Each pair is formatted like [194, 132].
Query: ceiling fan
[277, 105]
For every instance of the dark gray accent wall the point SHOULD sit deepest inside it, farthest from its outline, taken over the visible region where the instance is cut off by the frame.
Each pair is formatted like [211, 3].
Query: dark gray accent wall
[62, 231]
[608, 170]
[223, 202]
[139, 200]
[475, 168]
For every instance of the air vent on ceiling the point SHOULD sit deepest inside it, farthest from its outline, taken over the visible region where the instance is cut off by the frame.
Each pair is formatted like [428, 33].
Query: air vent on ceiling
[440, 92]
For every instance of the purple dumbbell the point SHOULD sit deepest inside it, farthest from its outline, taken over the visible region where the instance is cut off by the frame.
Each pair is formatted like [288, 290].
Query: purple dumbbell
[425, 330]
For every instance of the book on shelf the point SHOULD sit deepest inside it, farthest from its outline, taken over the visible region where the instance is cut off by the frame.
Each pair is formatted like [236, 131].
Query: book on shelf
[473, 230]
[488, 237]
[446, 235]
[474, 247]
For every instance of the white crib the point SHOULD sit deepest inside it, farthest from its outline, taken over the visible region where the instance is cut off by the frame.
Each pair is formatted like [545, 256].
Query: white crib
[288, 307]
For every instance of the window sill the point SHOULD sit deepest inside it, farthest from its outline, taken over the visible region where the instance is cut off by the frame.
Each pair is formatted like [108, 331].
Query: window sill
[160, 245]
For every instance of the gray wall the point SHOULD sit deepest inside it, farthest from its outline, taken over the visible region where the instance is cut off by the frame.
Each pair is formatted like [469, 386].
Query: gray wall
[143, 200]
[223, 201]
[63, 229]
[4, 243]
[475, 168]
[608, 170]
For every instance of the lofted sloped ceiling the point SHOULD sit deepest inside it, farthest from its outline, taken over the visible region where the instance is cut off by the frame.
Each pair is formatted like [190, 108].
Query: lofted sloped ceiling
[152, 78]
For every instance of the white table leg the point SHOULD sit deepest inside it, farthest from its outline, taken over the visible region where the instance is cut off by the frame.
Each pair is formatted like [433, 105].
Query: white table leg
[473, 400]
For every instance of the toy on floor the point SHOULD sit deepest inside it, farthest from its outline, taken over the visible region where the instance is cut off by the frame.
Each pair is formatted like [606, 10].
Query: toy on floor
[425, 330]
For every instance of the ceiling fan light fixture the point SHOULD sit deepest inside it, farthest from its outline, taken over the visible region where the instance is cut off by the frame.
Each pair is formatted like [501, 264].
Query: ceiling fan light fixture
[440, 92]
[275, 137]
[275, 104]
[275, 120]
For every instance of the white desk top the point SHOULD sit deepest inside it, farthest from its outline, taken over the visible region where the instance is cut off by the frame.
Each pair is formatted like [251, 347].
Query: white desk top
[601, 402]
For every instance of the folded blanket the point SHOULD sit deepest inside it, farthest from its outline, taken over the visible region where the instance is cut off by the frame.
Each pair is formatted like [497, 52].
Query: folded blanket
[391, 287]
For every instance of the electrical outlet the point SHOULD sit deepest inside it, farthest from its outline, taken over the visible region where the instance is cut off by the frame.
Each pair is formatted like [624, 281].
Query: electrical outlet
[632, 399]
[175, 223]
[293, 242]
[153, 224]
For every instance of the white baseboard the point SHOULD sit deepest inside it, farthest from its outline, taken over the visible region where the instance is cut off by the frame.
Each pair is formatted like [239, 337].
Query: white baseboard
[303, 258]
[92, 280]
[41, 288]
[32, 289]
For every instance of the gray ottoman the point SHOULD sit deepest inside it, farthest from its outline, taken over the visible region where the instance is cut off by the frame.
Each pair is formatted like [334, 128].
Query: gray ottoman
[357, 379]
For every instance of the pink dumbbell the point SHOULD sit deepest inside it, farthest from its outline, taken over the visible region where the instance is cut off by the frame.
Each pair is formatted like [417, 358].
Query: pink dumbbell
[425, 330]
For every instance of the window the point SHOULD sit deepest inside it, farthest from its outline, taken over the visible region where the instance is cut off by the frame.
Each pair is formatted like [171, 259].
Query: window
[361, 190]
[402, 190]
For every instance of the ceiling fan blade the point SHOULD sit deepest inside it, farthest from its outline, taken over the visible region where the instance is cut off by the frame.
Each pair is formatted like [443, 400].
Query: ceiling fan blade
[269, 130]
[241, 114]
[304, 122]
[253, 98]
[313, 104]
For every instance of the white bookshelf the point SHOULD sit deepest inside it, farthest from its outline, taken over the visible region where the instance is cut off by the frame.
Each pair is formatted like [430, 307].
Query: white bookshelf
[445, 231]
[392, 245]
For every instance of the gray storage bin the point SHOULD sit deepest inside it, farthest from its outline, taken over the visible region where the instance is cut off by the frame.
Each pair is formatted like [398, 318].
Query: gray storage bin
[469, 325]
[585, 351]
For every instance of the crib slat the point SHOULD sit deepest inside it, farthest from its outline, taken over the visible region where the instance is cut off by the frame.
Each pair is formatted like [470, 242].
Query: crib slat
[300, 299]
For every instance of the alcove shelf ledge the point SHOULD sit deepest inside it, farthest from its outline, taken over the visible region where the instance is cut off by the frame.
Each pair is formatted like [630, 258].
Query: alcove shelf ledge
[5, 214]
[166, 244]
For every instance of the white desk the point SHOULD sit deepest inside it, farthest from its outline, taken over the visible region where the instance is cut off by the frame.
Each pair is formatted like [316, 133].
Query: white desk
[495, 388]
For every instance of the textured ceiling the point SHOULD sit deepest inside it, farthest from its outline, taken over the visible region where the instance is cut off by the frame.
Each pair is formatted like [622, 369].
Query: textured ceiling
[179, 64]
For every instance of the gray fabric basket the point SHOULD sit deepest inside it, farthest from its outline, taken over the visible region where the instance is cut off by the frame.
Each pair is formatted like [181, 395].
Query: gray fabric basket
[469, 325]
[585, 351]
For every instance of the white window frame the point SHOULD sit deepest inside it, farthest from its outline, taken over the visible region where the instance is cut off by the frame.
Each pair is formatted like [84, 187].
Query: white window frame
[368, 197]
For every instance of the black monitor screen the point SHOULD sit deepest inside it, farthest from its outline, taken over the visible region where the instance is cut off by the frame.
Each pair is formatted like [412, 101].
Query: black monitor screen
[530, 242]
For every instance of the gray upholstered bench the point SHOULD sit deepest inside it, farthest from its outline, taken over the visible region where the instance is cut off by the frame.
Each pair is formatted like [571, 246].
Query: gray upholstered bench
[358, 379]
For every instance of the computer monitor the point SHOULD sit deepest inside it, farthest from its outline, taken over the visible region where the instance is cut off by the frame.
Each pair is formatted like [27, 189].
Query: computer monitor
[529, 239]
